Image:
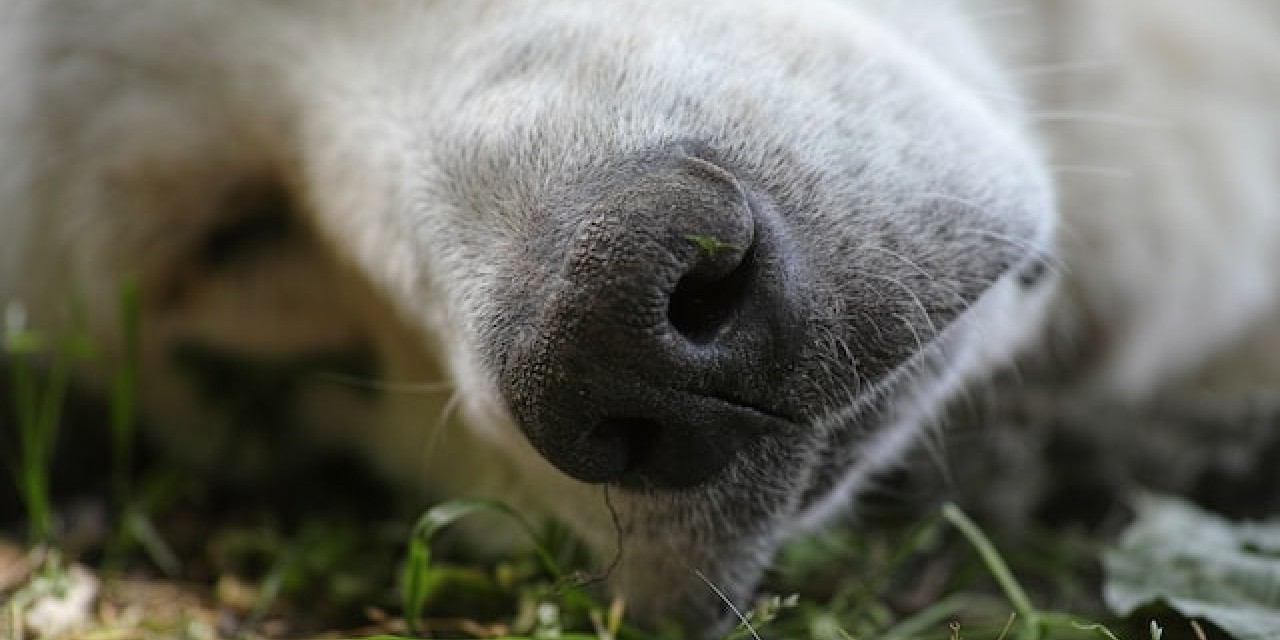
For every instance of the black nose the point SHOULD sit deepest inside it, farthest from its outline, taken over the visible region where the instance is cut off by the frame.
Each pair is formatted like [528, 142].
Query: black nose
[656, 352]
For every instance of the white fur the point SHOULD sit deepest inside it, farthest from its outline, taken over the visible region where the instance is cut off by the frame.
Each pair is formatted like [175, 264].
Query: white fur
[124, 119]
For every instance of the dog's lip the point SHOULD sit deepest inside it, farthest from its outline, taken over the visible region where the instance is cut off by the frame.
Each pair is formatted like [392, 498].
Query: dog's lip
[749, 407]
[765, 421]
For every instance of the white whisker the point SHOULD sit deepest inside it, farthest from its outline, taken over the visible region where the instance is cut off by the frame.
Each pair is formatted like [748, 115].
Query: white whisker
[1062, 68]
[729, 603]
[1108, 172]
[1099, 118]
[437, 434]
[383, 385]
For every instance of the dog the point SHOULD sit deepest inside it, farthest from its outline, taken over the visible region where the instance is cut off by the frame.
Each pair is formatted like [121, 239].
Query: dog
[685, 276]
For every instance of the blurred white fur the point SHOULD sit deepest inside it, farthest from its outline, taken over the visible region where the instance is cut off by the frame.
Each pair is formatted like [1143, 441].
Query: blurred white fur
[123, 120]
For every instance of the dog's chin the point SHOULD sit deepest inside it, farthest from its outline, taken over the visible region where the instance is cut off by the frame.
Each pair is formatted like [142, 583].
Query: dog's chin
[873, 434]
[684, 559]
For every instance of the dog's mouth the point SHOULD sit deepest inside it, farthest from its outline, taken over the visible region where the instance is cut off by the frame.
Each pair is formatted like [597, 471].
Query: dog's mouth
[657, 452]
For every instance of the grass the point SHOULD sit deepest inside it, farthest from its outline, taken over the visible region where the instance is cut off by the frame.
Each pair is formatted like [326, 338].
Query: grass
[37, 400]
[940, 579]
[790, 616]
[710, 245]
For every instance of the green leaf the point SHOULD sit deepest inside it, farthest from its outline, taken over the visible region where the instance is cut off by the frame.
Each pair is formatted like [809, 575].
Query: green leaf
[1200, 565]
[709, 245]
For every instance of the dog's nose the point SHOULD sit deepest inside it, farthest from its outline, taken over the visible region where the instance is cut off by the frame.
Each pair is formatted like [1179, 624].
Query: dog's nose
[652, 359]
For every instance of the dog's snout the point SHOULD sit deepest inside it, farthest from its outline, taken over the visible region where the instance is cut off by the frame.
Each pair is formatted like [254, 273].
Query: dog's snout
[651, 361]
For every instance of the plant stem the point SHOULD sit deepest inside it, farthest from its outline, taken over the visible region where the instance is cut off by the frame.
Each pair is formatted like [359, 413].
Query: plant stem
[1031, 622]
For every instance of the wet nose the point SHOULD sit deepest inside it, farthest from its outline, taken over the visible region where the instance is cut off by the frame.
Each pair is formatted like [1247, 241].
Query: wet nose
[651, 359]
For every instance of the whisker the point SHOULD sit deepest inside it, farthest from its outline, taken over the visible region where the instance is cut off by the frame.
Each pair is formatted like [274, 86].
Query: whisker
[947, 197]
[1100, 118]
[924, 311]
[906, 322]
[1062, 68]
[384, 385]
[729, 603]
[620, 538]
[1079, 169]
[435, 436]
[1032, 250]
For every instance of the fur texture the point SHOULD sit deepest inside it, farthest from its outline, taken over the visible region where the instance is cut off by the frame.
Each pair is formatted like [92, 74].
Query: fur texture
[409, 191]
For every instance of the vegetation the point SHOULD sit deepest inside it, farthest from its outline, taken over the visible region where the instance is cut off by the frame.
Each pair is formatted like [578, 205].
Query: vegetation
[174, 561]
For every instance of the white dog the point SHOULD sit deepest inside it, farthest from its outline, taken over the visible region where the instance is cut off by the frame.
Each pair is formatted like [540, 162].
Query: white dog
[725, 257]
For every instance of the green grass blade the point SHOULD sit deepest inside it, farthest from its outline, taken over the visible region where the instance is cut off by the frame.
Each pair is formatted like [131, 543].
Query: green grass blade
[1100, 631]
[1031, 622]
[124, 394]
[416, 577]
[936, 615]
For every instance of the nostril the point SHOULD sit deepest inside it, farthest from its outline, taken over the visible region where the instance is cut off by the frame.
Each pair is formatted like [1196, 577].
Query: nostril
[707, 298]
